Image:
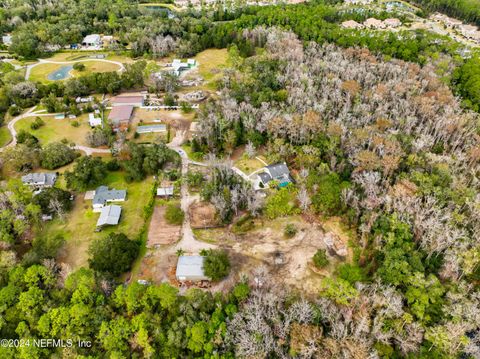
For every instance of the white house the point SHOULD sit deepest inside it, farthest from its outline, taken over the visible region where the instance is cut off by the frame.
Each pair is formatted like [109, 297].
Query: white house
[93, 40]
[104, 195]
[7, 40]
[94, 121]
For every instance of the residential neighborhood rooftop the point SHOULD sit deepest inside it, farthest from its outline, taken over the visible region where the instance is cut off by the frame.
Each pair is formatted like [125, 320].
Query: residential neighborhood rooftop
[103, 195]
[39, 179]
[110, 215]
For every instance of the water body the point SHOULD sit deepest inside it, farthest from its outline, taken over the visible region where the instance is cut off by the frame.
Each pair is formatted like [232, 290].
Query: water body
[61, 74]
[160, 10]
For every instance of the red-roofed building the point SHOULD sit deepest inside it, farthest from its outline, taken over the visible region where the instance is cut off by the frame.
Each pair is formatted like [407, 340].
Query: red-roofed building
[120, 116]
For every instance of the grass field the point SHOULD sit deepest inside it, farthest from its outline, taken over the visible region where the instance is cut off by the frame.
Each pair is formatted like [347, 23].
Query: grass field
[249, 165]
[78, 228]
[56, 130]
[5, 136]
[40, 72]
[96, 66]
[211, 63]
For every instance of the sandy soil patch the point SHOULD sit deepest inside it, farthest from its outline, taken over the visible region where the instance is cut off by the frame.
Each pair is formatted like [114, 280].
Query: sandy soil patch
[160, 231]
[202, 215]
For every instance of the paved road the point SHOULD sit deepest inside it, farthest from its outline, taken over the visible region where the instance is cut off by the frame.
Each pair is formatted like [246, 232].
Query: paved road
[42, 61]
[11, 128]
[91, 150]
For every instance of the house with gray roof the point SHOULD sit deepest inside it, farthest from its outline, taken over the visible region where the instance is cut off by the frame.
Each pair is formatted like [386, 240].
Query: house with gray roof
[40, 180]
[109, 216]
[190, 268]
[103, 196]
[278, 172]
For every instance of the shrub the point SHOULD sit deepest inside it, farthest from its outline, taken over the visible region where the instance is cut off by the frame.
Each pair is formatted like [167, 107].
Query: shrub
[37, 123]
[78, 66]
[216, 265]
[174, 214]
[281, 203]
[320, 258]
[290, 230]
[75, 123]
[113, 255]
[351, 273]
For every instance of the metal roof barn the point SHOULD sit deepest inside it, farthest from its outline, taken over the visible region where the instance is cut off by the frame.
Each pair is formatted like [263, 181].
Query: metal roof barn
[151, 128]
[190, 268]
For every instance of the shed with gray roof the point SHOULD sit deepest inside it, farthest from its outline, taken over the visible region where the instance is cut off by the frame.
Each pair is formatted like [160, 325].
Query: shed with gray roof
[190, 268]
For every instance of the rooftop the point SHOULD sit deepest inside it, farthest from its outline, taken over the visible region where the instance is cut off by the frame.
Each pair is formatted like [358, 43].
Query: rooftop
[121, 113]
[110, 215]
[127, 99]
[43, 179]
[103, 195]
[190, 268]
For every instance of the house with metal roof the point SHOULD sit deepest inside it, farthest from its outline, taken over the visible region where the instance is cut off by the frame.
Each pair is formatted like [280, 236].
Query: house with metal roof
[166, 191]
[40, 180]
[190, 268]
[104, 196]
[151, 128]
[278, 172]
[92, 40]
[109, 216]
[120, 116]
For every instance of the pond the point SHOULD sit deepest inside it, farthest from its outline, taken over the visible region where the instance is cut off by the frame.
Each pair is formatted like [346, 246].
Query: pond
[159, 9]
[61, 74]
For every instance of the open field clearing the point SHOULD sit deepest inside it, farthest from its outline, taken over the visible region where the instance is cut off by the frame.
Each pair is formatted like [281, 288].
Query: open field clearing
[57, 130]
[42, 71]
[288, 260]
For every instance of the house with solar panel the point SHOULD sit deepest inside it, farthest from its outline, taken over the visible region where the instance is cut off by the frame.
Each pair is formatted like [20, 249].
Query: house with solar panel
[105, 196]
[277, 172]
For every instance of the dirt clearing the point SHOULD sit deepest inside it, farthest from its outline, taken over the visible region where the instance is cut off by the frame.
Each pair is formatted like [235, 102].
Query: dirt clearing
[160, 231]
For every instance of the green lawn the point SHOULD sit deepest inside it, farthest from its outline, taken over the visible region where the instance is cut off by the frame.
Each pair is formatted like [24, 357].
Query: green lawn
[211, 62]
[79, 227]
[5, 136]
[249, 165]
[40, 72]
[56, 130]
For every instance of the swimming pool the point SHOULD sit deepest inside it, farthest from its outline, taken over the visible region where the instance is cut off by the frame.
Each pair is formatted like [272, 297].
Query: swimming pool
[61, 74]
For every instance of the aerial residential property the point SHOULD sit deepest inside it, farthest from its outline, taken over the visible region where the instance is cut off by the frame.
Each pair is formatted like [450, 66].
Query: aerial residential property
[92, 40]
[40, 180]
[258, 179]
[119, 117]
[278, 172]
[104, 196]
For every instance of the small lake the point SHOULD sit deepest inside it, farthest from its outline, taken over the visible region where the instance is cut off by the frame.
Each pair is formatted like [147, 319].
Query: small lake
[61, 74]
[161, 10]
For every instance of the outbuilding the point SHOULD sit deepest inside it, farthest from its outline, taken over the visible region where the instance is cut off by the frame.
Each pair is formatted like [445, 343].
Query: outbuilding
[190, 268]
[109, 216]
